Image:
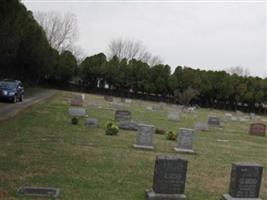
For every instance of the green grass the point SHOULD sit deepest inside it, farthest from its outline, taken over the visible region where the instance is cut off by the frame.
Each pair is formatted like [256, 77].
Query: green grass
[38, 149]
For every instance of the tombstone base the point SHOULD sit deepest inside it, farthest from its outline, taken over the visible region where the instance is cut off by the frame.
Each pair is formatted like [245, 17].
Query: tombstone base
[184, 150]
[143, 147]
[229, 197]
[151, 195]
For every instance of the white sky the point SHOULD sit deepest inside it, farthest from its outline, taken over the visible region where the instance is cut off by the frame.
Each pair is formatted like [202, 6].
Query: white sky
[205, 35]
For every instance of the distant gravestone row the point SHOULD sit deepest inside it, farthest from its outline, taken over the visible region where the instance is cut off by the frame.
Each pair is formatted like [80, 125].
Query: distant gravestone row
[170, 179]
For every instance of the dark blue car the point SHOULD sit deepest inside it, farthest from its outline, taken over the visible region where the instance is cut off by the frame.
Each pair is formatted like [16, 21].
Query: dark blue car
[11, 90]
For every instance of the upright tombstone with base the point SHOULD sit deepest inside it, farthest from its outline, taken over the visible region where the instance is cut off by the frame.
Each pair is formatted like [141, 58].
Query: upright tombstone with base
[144, 138]
[245, 182]
[185, 139]
[169, 179]
[213, 121]
[257, 129]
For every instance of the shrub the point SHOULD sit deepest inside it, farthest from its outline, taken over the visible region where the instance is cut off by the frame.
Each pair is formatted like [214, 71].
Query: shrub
[111, 128]
[74, 120]
[171, 135]
[160, 131]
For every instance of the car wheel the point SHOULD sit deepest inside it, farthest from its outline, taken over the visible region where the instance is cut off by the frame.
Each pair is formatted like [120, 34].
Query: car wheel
[21, 97]
[14, 99]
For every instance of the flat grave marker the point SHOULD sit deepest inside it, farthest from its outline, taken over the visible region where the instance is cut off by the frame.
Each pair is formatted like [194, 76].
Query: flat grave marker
[39, 191]
[201, 127]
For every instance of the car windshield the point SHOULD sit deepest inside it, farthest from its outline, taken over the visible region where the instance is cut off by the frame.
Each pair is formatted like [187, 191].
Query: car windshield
[7, 84]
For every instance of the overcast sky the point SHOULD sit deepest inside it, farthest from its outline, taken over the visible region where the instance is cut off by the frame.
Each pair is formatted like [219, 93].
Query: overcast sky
[201, 35]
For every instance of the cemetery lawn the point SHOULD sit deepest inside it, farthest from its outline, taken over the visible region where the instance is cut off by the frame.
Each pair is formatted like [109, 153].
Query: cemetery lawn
[39, 148]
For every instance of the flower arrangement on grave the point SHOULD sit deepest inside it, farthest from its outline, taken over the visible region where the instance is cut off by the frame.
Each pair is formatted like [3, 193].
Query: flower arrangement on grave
[111, 128]
[160, 131]
[171, 135]
[74, 121]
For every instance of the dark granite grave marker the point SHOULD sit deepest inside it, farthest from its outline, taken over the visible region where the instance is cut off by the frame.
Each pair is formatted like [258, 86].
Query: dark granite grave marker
[245, 182]
[39, 191]
[90, 122]
[257, 129]
[213, 121]
[169, 179]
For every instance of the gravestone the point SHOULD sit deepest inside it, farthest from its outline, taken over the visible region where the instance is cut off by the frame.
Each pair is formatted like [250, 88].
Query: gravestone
[213, 121]
[123, 115]
[149, 108]
[39, 191]
[144, 137]
[173, 116]
[252, 116]
[185, 139]
[123, 100]
[108, 98]
[128, 125]
[234, 119]
[91, 122]
[257, 129]
[117, 105]
[78, 112]
[245, 182]
[169, 179]
[77, 100]
[128, 101]
[201, 127]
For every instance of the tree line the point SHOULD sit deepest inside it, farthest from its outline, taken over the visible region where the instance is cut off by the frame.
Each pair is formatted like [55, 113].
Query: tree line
[26, 53]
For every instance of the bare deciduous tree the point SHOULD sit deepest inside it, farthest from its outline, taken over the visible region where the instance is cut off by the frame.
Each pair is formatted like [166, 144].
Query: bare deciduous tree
[129, 49]
[61, 30]
[239, 70]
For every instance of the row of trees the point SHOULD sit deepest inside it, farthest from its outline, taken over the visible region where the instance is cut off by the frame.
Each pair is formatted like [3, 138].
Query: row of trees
[185, 84]
[26, 53]
[39, 54]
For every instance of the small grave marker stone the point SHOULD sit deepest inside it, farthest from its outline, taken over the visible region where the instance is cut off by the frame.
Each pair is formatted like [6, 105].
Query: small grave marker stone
[245, 182]
[173, 116]
[108, 98]
[77, 100]
[257, 129]
[39, 191]
[91, 122]
[213, 121]
[185, 138]
[201, 127]
[169, 179]
[144, 137]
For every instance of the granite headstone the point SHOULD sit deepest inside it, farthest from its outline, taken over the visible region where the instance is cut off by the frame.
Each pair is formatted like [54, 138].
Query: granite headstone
[169, 179]
[245, 182]
[185, 140]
